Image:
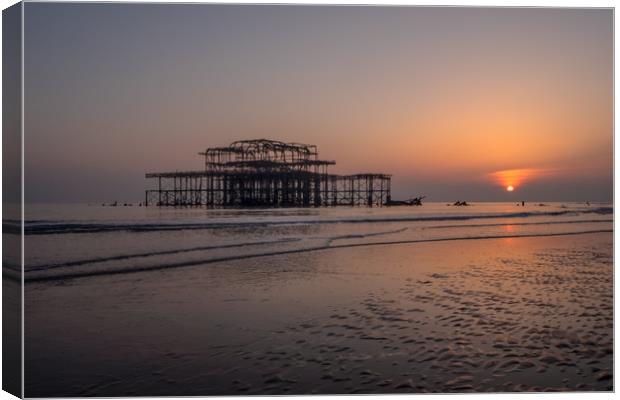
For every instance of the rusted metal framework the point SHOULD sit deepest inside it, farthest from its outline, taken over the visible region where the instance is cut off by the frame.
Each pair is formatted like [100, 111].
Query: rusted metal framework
[266, 173]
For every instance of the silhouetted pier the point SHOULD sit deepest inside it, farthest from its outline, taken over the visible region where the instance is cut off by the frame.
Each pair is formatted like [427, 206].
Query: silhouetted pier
[266, 173]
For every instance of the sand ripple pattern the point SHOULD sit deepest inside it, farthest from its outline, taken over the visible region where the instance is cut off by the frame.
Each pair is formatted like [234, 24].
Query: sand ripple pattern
[465, 331]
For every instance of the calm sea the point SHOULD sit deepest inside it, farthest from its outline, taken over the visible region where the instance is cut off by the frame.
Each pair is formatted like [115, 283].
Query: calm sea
[70, 240]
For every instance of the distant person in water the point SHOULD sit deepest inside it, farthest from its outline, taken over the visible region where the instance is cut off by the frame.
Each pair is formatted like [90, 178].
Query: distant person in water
[523, 204]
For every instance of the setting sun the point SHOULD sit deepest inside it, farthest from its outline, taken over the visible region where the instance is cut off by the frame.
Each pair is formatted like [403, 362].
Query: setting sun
[510, 188]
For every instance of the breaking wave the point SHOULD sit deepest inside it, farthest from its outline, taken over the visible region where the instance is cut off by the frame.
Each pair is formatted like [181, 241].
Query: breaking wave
[36, 275]
[64, 227]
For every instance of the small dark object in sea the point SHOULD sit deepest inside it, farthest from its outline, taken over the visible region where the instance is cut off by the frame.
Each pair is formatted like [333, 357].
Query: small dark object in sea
[416, 201]
[460, 203]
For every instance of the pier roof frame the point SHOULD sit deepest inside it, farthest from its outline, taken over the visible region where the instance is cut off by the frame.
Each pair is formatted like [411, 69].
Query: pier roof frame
[260, 149]
[203, 173]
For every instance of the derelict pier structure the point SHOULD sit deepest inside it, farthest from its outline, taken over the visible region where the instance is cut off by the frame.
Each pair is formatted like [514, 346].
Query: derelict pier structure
[266, 173]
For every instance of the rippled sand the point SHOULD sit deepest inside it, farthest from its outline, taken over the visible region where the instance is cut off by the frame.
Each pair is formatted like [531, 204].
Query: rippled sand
[514, 314]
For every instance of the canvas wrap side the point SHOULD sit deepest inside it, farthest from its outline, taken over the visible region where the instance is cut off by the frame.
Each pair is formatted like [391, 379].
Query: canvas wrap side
[12, 205]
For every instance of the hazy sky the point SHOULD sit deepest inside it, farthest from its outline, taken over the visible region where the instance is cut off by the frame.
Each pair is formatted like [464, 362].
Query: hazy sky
[456, 103]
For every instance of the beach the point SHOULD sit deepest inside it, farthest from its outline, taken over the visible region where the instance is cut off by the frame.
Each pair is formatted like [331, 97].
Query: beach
[488, 298]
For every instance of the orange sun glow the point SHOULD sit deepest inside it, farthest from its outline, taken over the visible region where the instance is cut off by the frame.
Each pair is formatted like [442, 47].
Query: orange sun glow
[510, 179]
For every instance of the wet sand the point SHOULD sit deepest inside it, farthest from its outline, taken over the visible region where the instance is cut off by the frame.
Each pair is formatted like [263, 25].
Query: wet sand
[499, 315]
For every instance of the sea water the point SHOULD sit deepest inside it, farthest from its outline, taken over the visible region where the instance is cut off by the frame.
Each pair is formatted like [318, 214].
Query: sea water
[70, 240]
